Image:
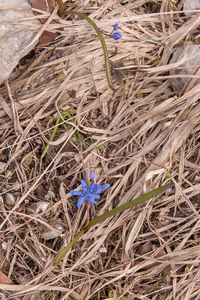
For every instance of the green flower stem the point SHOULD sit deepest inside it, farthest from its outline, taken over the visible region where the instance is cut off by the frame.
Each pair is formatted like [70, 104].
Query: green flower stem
[108, 215]
[105, 52]
[60, 7]
[52, 136]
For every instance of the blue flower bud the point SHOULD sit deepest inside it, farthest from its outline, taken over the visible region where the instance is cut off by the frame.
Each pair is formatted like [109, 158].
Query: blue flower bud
[116, 27]
[91, 175]
[116, 36]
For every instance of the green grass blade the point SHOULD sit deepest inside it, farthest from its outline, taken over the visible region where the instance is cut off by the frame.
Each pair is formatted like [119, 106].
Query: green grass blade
[126, 206]
[64, 251]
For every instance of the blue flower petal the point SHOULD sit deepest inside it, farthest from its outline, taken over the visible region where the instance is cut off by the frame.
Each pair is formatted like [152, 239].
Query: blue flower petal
[116, 36]
[116, 27]
[84, 185]
[97, 190]
[96, 196]
[80, 201]
[104, 186]
[91, 175]
[75, 193]
[91, 200]
[94, 188]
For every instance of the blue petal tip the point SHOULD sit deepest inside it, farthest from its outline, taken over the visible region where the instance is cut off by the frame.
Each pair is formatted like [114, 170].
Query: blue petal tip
[84, 185]
[104, 186]
[91, 175]
[116, 27]
[116, 36]
[80, 201]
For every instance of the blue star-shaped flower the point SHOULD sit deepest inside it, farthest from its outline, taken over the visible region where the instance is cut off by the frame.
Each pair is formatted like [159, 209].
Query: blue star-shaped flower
[89, 193]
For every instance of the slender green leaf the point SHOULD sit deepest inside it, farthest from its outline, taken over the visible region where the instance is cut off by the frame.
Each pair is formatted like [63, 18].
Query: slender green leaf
[105, 52]
[60, 7]
[108, 215]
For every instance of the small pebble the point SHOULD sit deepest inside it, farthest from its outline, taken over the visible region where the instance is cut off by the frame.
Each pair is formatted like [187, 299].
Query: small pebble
[16, 186]
[50, 195]
[4, 246]
[39, 142]
[10, 199]
[2, 165]
[102, 250]
[40, 206]
[51, 234]
[197, 178]
[77, 158]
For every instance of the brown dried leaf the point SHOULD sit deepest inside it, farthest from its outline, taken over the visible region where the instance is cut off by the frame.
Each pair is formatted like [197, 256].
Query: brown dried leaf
[72, 93]
[143, 249]
[148, 249]
[45, 38]
[4, 279]
[45, 5]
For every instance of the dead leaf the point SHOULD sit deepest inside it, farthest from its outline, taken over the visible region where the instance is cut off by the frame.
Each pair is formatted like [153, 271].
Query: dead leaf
[72, 93]
[46, 37]
[20, 208]
[4, 279]
[148, 249]
[45, 5]
[118, 74]
[145, 248]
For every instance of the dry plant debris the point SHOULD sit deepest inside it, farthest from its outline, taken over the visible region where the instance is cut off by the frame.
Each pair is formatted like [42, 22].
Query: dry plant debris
[47, 36]
[135, 143]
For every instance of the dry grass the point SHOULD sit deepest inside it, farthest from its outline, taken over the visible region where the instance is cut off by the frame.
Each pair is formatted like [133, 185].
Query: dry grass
[151, 251]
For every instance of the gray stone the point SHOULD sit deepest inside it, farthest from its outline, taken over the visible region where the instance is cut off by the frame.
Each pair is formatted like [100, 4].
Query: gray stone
[191, 5]
[40, 206]
[51, 234]
[2, 165]
[10, 199]
[187, 67]
[15, 39]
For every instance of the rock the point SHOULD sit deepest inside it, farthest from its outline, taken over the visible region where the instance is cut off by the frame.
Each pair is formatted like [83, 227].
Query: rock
[10, 199]
[4, 246]
[50, 195]
[197, 178]
[102, 250]
[2, 165]
[51, 234]
[16, 187]
[40, 206]
[191, 5]
[187, 67]
[15, 40]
